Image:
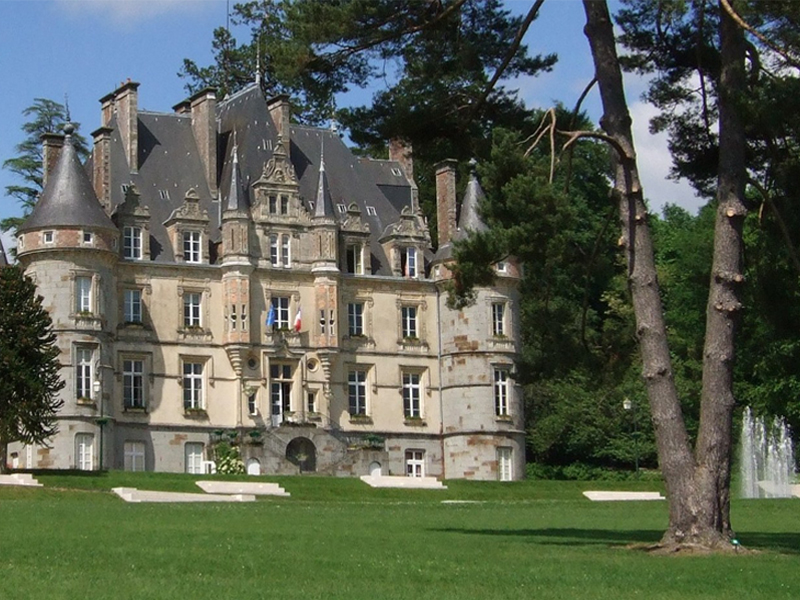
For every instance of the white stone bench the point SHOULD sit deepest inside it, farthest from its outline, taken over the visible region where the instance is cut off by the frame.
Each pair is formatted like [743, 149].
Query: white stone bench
[135, 495]
[25, 479]
[242, 487]
[622, 496]
[394, 481]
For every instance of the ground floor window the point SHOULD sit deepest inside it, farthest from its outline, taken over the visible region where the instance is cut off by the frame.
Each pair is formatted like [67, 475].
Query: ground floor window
[84, 451]
[415, 463]
[194, 458]
[134, 456]
[504, 464]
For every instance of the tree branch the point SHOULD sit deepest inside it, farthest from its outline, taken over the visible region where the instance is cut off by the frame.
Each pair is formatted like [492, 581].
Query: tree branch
[788, 56]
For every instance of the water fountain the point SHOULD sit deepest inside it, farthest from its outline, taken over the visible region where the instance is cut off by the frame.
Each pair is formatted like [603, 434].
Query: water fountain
[767, 458]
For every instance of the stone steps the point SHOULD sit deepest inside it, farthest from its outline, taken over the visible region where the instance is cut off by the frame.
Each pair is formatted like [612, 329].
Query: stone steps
[395, 481]
[622, 496]
[135, 495]
[24, 479]
[242, 487]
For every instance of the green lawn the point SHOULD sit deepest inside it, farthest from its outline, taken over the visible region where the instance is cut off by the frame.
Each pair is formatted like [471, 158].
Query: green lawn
[338, 538]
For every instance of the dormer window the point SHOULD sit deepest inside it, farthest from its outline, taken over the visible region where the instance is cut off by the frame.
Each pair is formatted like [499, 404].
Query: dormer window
[273, 205]
[132, 243]
[408, 261]
[191, 246]
[371, 211]
[284, 205]
[342, 208]
[396, 172]
[163, 194]
[354, 254]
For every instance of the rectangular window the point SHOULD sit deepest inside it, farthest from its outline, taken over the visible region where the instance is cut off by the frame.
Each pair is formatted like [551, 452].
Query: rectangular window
[504, 464]
[88, 238]
[284, 205]
[48, 237]
[274, 251]
[191, 309]
[193, 458]
[322, 321]
[133, 383]
[412, 396]
[132, 306]
[415, 463]
[193, 385]
[285, 257]
[408, 262]
[311, 402]
[502, 267]
[134, 456]
[83, 373]
[355, 318]
[84, 451]
[280, 306]
[280, 389]
[252, 403]
[501, 392]
[355, 258]
[83, 294]
[408, 315]
[273, 205]
[357, 393]
[132, 243]
[191, 246]
[243, 317]
[498, 319]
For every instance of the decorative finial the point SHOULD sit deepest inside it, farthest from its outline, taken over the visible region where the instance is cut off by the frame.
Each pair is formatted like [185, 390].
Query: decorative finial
[69, 129]
[472, 165]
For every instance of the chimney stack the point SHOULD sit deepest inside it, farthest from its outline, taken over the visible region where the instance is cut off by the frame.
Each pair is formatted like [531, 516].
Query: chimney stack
[126, 100]
[280, 111]
[52, 144]
[101, 166]
[204, 126]
[446, 200]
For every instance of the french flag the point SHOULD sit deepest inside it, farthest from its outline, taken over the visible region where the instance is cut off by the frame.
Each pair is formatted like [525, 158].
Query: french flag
[298, 320]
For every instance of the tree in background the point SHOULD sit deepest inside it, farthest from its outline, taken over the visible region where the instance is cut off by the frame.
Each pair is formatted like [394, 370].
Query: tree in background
[29, 379]
[44, 116]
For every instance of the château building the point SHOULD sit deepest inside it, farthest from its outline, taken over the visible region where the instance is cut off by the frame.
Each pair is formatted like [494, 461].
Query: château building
[220, 273]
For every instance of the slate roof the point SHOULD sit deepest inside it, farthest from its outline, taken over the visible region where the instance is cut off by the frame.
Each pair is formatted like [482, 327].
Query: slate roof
[68, 198]
[469, 218]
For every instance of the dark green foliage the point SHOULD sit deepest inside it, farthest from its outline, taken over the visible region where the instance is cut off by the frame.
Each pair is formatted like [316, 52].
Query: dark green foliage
[45, 116]
[29, 379]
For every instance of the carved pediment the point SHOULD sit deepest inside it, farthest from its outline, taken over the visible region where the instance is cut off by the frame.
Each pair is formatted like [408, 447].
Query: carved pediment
[409, 226]
[352, 222]
[278, 169]
[131, 207]
[190, 210]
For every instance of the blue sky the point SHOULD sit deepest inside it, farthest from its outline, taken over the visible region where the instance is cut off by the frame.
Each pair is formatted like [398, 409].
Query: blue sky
[85, 48]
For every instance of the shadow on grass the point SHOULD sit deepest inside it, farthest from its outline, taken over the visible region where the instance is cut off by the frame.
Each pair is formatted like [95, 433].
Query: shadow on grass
[570, 536]
[784, 543]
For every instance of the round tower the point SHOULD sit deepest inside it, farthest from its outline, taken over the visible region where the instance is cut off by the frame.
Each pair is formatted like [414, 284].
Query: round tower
[482, 409]
[68, 245]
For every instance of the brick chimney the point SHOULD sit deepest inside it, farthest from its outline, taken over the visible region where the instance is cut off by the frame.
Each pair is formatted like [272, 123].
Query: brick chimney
[204, 126]
[126, 101]
[52, 144]
[401, 151]
[446, 200]
[280, 111]
[101, 165]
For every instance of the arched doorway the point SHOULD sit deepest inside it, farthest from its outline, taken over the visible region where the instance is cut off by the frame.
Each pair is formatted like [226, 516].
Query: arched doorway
[253, 467]
[302, 452]
[375, 469]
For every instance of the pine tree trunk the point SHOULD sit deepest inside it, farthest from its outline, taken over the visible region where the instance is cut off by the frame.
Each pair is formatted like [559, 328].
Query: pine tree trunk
[698, 486]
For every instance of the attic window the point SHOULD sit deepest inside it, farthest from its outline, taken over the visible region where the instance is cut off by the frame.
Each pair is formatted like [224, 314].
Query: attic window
[502, 267]
[87, 237]
[397, 172]
[47, 237]
[163, 194]
[312, 204]
[125, 187]
[371, 211]
[342, 208]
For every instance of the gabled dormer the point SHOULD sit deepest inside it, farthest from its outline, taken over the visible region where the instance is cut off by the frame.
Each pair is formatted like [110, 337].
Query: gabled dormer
[276, 193]
[188, 230]
[404, 243]
[133, 221]
[354, 243]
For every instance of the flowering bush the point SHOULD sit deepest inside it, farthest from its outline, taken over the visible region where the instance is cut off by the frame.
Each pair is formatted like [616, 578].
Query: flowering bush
[228, 459]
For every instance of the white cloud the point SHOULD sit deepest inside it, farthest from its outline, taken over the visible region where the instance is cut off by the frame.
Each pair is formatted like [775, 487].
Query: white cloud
[654, 161]
[126, 12]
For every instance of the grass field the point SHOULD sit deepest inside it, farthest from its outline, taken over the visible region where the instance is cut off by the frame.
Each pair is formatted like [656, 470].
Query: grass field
[338, 538]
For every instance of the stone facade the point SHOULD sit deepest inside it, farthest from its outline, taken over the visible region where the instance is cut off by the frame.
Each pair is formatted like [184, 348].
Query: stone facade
[252, 281]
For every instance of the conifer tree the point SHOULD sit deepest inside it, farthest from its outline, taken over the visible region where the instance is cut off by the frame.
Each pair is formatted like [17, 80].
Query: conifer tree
[29, 379]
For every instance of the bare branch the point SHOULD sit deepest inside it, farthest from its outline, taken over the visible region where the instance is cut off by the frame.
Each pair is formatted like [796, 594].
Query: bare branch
[786, 54]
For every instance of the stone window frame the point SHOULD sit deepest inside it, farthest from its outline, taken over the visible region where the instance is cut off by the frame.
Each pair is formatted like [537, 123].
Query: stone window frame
[502, 390]
[294, 304]
[204, 289]
[414, 461]
[93, 364]
[205, 378]
[148, 378]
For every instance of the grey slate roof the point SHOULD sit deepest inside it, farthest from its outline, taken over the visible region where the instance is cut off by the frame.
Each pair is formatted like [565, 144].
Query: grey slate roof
[236, 198]
[68, 198]
[470, 218]
[323, 206]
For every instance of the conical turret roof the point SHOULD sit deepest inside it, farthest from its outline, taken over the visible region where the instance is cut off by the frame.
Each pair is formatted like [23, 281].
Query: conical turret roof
[470, 218]
[323, 206]
[236, 200]
[68, 198]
